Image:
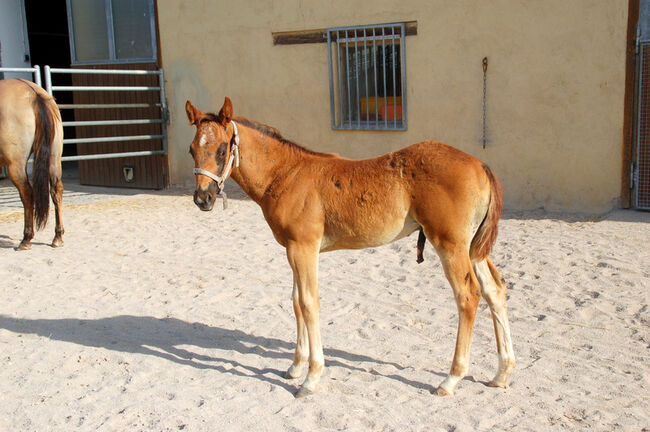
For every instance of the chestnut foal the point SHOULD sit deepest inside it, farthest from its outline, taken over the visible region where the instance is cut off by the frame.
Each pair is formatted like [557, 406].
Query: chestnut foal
[316, 202]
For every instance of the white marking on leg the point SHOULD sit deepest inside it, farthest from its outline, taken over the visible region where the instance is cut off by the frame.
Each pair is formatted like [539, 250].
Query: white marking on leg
[448, 385]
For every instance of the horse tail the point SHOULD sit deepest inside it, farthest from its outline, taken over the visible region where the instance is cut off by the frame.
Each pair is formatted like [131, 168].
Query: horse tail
[486, 235]
[45, 113]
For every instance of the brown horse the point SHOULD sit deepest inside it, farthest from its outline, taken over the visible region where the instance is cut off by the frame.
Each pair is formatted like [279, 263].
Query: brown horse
[30, 122]
[317, 202]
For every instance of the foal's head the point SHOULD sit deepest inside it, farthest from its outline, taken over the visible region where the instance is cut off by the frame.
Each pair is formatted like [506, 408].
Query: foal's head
[210, 149]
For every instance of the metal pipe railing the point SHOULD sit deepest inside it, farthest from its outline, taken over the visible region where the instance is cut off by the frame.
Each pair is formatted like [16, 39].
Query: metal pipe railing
[111, 139]
[111, 122]
[106, 106]
[105, 71]
[104, 88]
[34, 70]
[113, 155]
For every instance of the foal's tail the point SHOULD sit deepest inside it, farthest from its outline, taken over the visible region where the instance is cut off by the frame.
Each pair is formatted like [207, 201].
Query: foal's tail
[486, 235]
[46, 115]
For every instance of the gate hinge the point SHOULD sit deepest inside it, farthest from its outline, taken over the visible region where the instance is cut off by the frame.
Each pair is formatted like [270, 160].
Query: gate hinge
[164, 112]
[633, 175]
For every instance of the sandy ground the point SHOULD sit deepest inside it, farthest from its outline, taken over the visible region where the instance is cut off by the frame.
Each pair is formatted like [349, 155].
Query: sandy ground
[155, 316]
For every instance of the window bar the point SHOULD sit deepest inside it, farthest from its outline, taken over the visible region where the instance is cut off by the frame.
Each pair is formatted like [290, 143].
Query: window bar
[402, 75]
[392, 55]
[340, 67]
[365, 67]
[111, 31]
[356, 78]
[374, 69]
[152, 25]
[383, 63]
[347, 77]
[329, 62]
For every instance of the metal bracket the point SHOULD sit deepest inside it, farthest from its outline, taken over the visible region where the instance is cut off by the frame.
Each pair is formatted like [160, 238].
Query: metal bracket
[164, 113]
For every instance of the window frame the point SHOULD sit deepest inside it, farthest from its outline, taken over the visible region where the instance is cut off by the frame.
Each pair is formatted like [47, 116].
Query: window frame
[112, 52]
[358, 124]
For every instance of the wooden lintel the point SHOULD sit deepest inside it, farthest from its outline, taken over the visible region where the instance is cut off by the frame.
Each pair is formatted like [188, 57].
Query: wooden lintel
[320, 35]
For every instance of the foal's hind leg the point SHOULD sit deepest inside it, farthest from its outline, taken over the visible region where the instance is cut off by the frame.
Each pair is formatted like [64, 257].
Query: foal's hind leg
[56, 191]
[456, 262]
[18, 176]
[494, 292]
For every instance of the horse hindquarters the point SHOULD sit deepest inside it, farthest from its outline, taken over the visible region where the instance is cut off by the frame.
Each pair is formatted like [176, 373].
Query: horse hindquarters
[460, 219]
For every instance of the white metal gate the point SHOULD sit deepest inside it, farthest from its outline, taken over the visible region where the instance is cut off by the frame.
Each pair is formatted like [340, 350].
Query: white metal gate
[161, 104]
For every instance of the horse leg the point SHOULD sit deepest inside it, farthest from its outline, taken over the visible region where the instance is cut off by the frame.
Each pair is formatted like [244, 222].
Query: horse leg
[458, 269]
[302, 347]
[56, 191]
[18, 176]
[304, 263]
[494, 292]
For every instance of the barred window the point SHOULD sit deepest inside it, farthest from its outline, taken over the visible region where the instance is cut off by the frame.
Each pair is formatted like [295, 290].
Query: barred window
[367, 70]
[112, 31]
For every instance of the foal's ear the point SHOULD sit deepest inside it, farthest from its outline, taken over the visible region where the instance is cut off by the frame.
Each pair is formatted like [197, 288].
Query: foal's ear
[193, 114]
[225, 113]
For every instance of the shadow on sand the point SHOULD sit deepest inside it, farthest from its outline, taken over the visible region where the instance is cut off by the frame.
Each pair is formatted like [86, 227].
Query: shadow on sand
[161, 337]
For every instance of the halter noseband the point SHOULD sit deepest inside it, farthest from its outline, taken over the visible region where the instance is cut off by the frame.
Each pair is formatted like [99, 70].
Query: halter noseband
[233, 158]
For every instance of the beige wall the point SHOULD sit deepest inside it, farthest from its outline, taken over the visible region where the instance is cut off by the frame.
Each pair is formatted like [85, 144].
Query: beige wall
[555, 84]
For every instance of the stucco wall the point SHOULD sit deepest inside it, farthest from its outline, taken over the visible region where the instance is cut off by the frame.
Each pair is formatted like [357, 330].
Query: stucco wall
[555, 84]
[13, 39]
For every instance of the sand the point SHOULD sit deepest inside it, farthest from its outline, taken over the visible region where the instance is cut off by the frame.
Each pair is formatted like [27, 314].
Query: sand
[156, 316]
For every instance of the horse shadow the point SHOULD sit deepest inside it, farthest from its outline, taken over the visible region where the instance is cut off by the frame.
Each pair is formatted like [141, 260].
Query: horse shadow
[7, 242]
[161, 337]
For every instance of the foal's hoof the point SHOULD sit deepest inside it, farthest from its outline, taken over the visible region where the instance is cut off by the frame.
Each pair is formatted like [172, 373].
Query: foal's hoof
[442, 392]
[498, 383]
[57, 243]
[24, 246]
[294, 372]
[304, 392]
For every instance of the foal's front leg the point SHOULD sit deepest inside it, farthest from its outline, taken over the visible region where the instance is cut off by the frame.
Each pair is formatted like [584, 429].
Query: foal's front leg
[304, 263]
[302, 347]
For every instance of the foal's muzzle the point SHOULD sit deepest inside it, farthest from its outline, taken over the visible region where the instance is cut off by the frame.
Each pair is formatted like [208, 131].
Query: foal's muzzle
[204, 199]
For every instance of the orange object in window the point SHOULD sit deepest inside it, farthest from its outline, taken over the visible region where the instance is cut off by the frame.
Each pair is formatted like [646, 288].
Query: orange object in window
[392, 112]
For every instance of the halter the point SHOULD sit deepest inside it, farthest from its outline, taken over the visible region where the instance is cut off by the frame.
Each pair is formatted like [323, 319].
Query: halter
[233, 158]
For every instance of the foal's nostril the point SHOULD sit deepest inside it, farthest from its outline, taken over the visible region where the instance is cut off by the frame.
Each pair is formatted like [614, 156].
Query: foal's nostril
[197, 200]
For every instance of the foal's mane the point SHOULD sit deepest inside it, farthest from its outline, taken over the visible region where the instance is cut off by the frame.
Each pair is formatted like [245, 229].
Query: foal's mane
[268, 131]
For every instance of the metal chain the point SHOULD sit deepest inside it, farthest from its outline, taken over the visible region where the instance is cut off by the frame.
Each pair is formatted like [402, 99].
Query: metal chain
[485, 64]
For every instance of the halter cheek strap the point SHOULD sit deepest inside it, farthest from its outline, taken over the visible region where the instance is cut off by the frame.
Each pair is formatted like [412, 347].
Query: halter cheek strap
[233, 158]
